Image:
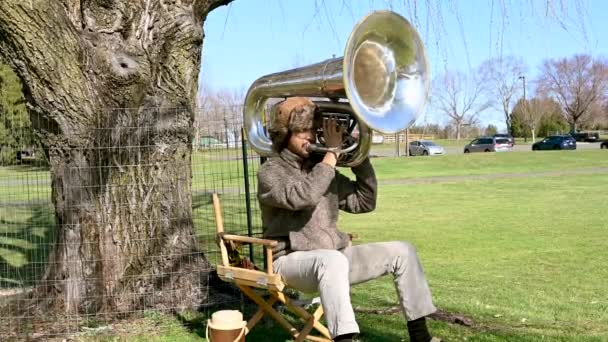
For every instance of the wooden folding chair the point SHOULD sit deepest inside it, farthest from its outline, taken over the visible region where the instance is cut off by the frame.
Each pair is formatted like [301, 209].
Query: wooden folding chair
[249, 279]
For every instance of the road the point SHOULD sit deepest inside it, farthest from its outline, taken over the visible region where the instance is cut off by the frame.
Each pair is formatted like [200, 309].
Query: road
[460, 149]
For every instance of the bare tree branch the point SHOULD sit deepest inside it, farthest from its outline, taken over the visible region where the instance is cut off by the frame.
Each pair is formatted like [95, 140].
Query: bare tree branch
[459, 98]
[501, 81]
[203, 7]
[579, 84]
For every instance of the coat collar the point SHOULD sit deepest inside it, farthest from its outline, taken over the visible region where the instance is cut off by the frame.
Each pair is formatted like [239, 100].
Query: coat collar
[291, 158]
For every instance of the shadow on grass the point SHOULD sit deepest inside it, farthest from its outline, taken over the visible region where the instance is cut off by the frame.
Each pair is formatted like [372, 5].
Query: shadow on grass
[269, 330]
[385, 328]
[27, 234]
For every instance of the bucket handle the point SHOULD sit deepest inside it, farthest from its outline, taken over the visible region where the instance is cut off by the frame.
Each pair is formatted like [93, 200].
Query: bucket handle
[237, 338]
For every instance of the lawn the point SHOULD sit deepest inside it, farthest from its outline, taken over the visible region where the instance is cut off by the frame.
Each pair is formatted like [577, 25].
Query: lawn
[523, 257]
[489, 163]
[522, 254]
[24, 183]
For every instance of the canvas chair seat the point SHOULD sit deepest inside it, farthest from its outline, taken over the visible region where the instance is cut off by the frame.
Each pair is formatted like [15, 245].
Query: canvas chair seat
[250, 280]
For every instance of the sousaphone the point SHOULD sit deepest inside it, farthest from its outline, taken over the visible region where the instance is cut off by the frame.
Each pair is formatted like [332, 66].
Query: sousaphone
[381, 82]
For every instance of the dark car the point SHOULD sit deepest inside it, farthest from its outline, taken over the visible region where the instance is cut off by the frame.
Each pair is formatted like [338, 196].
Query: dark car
[604, 145]
[555, 142]
[505, 136]
[25, 156]
[586, 136]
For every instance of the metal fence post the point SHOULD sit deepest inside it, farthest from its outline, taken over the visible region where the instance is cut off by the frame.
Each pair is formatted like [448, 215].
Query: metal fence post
[247, 190]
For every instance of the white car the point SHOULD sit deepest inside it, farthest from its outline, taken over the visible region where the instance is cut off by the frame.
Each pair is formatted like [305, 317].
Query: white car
[424, 148]
[377, 139]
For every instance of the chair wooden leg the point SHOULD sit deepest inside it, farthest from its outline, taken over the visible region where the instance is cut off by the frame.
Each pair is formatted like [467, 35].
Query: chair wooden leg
[320, 327]
[269, 310]
[305, 330]
[306, 317]
[258, 315]
[296, 309]
[318, 339]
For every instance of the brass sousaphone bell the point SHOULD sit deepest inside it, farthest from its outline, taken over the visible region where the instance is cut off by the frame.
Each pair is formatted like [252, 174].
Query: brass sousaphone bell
[382, 83]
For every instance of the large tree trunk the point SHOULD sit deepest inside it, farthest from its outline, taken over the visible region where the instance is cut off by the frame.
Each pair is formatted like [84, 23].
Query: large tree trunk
[509, 122]
[121, 178]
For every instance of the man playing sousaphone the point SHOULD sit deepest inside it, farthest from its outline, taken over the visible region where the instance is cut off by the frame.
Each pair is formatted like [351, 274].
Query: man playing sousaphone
[300, 198]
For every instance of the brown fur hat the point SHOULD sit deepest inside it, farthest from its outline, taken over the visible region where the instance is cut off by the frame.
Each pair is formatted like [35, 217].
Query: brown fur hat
[294, 114]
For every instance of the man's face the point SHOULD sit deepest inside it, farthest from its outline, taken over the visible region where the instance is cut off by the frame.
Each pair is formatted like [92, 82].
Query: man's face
[298, 141]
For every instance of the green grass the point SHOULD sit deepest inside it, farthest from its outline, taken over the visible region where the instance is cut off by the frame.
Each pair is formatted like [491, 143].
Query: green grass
[219, 169]
[24, 183]
[33, 184]
[524, 257]
[488, 163]
[26, 235]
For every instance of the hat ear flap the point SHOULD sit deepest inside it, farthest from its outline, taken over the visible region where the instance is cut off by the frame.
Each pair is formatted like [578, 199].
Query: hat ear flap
[278, 137]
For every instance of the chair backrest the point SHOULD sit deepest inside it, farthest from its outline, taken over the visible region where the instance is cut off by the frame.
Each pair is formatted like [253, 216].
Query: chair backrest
[219, 228]
[238, 271]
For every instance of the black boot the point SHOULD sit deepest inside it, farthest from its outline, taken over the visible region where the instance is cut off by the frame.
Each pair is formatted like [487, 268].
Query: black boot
[418, 330]
[344, 338]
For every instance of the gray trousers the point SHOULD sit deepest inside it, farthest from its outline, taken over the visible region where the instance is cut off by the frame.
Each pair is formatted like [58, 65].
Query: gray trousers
[331, 273]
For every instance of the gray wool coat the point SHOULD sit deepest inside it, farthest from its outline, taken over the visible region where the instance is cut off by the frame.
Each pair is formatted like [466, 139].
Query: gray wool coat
[300, 203]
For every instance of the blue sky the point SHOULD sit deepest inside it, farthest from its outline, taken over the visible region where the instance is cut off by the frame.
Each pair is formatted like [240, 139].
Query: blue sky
[252, 38]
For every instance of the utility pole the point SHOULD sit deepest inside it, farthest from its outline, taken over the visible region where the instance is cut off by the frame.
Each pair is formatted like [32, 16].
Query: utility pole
[523, 78]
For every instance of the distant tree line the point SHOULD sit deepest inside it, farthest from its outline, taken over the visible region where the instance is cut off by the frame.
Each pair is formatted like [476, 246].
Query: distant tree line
[569, 94]
[219, 114]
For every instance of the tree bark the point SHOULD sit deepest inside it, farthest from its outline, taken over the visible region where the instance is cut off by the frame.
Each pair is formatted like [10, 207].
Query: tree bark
[121, 178]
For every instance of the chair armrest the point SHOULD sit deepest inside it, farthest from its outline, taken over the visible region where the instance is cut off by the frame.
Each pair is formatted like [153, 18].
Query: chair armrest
[247, 239]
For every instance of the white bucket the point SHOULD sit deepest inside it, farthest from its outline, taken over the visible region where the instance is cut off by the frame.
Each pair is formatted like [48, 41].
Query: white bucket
[226, 326]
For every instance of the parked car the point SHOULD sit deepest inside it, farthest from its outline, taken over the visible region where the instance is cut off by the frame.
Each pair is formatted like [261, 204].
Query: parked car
[585, 136]
[377, 139]
[604, 145]
[25, 156]
[555, 142]
[489, 144]
[506, 136]
[424, 148]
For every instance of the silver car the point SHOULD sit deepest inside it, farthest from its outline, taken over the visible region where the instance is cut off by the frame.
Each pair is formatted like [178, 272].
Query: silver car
[424, 148]
[489, 144]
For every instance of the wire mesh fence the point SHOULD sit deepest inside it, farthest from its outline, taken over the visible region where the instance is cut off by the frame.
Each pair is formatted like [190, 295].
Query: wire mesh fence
[121, 192]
